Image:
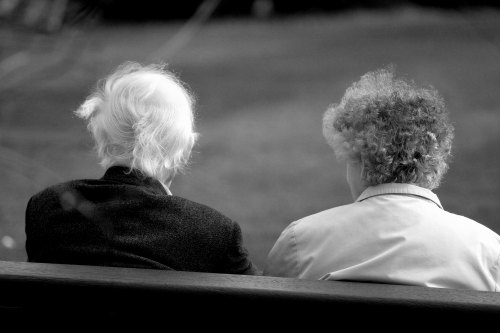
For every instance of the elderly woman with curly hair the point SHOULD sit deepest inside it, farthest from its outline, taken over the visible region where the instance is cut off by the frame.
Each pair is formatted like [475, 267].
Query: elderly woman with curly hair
[141, 118]
[395, 139]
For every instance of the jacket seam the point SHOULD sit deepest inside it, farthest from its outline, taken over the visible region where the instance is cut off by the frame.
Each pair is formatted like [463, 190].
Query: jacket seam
[295, 250]
[497, 275]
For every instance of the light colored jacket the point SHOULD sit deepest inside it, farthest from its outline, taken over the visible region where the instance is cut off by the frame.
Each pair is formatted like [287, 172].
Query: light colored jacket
[393, 233]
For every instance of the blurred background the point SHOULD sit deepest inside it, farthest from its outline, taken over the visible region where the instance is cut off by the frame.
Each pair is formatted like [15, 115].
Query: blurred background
[263, 73]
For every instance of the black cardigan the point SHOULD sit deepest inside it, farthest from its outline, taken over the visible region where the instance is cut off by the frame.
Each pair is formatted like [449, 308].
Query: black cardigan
[126, 219]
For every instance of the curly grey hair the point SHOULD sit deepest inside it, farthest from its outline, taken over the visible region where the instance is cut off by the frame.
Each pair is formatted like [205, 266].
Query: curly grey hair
[400, 133]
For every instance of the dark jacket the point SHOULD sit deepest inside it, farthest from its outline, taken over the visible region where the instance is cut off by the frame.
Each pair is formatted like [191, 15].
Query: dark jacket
[126, 219]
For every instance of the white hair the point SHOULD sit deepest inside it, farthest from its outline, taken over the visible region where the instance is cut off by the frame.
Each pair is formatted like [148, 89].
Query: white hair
[142, 117]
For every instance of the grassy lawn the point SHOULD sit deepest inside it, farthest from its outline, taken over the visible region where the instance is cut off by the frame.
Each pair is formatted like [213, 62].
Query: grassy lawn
[261, 87]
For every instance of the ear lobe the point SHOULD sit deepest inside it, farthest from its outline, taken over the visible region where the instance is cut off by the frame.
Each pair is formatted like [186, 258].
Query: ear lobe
[355, 178]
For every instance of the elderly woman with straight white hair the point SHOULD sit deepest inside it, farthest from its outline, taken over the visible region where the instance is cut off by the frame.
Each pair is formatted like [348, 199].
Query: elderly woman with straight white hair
[396, 140]
[141, 118]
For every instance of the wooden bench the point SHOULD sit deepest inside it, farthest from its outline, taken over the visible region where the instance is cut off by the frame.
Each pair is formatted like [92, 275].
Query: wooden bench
[88, 294]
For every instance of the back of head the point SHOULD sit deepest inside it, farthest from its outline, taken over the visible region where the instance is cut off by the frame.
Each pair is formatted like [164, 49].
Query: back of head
[141, 117]
[400, 133]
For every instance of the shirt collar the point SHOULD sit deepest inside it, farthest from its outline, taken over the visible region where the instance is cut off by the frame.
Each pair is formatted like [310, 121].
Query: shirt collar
[399, 189]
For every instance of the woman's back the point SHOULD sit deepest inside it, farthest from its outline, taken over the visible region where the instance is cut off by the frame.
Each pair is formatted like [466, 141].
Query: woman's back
[396, 140]
[142, 122]
[127, 219]
[394, 233]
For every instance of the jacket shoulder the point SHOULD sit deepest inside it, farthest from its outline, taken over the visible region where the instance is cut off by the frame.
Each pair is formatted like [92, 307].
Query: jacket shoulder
[57, 193]
[331, 214]
[199, 211]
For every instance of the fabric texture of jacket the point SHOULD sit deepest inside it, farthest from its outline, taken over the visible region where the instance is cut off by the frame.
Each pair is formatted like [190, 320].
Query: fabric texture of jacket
[393, 233]
[126, 219]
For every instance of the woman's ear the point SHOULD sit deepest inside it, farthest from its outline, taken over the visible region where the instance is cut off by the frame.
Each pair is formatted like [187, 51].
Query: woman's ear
[354, 178]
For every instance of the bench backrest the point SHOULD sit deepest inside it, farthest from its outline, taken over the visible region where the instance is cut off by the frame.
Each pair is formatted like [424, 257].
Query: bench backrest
[75, 291]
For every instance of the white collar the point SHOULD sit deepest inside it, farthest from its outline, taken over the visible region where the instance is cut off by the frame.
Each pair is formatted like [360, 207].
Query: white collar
[401, 189]
[166, 188]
